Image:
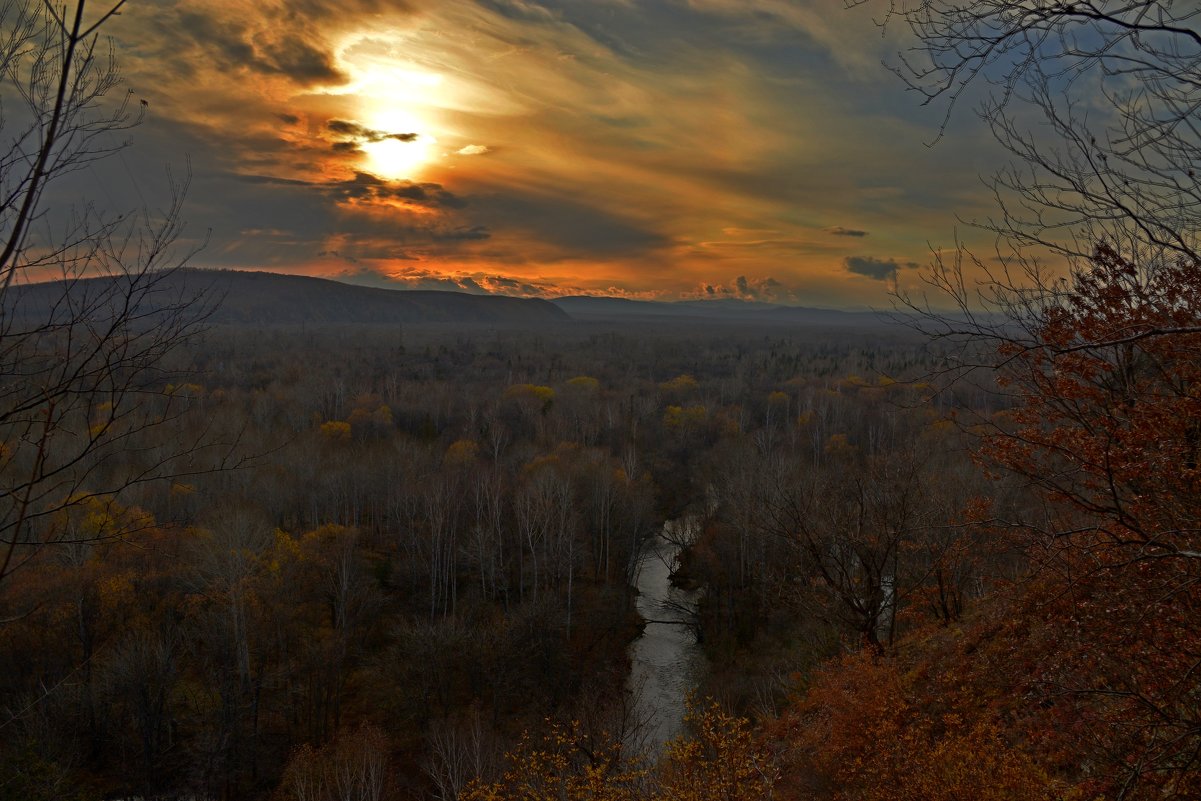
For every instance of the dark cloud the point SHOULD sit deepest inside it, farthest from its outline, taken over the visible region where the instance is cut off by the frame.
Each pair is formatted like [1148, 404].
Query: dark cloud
[358, 134]
[366, 187]
[473, 233]
[571, 225]
[314, 11]
[233, 46]
[877, 269]
[288, 119]
[766, 290]
[838, 230]
[299, 60]
[393, 254]
[226, 39]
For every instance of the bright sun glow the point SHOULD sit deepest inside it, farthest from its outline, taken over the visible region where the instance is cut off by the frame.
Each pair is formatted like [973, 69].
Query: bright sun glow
[395, 159]
[398, 97]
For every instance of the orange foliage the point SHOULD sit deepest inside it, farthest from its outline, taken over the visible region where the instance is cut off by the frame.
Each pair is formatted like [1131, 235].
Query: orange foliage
[1111, 396]
[723, 761]
[1080, 681]
[557, 767]
[865, 731]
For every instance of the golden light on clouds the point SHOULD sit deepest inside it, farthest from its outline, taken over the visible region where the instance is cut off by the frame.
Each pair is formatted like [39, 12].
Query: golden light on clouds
[613, 147]
[397, 98]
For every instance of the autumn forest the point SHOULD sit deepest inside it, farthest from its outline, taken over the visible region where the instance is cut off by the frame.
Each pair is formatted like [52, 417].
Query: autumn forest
[275, 537]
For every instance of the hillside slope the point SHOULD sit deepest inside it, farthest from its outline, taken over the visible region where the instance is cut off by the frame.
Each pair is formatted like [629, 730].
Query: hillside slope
[239, 297]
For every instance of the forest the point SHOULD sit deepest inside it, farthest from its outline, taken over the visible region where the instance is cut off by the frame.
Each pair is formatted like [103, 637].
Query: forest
[305, 543]
[432, 534]
[411, 571]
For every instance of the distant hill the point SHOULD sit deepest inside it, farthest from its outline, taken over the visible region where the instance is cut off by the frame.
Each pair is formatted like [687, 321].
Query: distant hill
[587, 307]
[263, 298]
[277, 299]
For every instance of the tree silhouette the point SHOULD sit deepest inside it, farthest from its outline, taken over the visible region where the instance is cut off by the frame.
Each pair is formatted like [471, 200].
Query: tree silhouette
[88, 313]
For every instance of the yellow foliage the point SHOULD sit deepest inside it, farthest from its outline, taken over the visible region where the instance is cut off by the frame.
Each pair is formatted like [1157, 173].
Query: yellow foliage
[365, 417]
[544, 394]
[285, 548]
[382, 415]
[584, 382]
[684, 417]
[461, 451]
[336, 430]
[681, 383]
[838, 444]
[777, 398]
[101, 518]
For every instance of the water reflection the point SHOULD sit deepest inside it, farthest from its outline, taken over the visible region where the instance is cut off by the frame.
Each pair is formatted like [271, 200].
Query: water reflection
[666, 661]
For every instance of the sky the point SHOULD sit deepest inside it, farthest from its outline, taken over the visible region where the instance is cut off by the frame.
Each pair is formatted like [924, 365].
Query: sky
[657, 149]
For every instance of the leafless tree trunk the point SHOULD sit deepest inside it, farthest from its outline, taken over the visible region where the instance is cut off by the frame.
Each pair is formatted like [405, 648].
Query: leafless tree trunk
[83, 380]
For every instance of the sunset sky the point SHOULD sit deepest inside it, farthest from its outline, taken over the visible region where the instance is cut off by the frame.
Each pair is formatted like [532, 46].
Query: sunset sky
[649, 148]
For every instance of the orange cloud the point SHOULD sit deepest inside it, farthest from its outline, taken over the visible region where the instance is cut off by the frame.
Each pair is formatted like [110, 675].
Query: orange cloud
[620, 148]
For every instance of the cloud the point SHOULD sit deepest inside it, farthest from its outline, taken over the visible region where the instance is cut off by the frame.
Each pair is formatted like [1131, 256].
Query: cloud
[462, 233]
[765, 290]
[602, 160]
[365, 187]
[475, 283]
[301, 61]
[270, 50]
[877, 269]
[575, 227]
[356, 134]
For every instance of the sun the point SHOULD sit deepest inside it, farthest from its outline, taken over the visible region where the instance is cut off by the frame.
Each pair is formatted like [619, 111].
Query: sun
[397, 156]
[394, 160]
[401, 94]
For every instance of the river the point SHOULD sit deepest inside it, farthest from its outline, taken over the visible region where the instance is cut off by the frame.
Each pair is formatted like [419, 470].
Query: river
[666, 661]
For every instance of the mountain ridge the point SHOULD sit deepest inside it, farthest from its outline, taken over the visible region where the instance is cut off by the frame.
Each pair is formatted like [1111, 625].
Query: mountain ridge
[241, 297]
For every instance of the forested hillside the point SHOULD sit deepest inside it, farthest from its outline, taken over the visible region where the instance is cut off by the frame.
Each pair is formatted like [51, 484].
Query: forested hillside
[431, 535]
[411, 549]
[262, 298]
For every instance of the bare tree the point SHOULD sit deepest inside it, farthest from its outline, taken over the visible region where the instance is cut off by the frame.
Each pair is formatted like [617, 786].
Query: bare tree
[1102, 364]
[84, 382]
[1097, 101]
